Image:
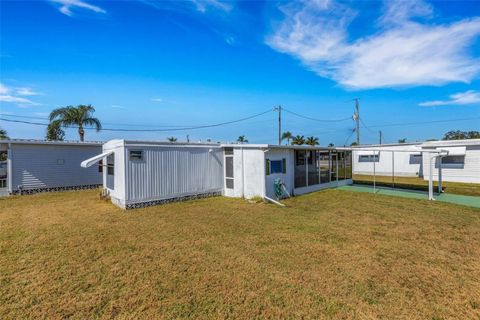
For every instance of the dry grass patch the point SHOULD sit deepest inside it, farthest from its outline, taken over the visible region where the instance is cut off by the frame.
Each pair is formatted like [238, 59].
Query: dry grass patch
[332, 254]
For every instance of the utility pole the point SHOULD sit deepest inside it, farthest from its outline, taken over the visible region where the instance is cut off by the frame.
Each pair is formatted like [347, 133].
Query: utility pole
[380, 132]
[188, 138]
[357, 120]
[279, 109]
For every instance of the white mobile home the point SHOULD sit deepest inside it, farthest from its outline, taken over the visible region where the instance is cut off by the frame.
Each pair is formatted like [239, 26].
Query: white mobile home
[406, 162]
[139, 173]
[460, 160]
[29, 166]
[461, 164]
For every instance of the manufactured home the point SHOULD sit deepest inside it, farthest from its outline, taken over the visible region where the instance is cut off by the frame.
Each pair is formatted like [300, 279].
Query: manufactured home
[460, 161]
[406, 162]
[142, 173]
[461, 164]
[29, 166]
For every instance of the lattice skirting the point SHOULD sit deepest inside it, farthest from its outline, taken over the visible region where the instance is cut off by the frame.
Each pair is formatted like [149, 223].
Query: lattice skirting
[176, 199]
[55, 189]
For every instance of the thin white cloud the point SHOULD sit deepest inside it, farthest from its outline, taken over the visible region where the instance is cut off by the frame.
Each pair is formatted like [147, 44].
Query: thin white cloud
[3, 89]
[461, 98]
[403, 52]
[17, 100]
[11, 95]
[157, 99]
[66, 6]
[116, 106]
[25, 91]
[204, 5]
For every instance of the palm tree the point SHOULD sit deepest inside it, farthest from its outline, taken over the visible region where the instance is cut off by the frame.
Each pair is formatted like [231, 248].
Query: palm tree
[287, 135]
[331, 145]
[79, 116]
[242, 139]
[3, 134]
[55, 132]
[172, 139]
[312, 141]
[298, 140]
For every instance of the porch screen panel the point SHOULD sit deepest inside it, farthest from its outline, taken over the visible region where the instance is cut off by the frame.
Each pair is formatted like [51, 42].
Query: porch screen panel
[348, 164]
[324, 162]
[300, 174]
[313, 168]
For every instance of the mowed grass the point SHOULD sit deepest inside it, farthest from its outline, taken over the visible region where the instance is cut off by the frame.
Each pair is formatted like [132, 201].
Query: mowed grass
[467, 189]
[328, 255]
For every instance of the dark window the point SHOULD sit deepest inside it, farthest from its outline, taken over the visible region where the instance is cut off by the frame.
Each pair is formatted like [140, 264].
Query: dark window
[228, 151]
[100, 166]
[368, 158]
[415, 159]
[111, 164]
[136, 155]
[276, 166]
[453, 160]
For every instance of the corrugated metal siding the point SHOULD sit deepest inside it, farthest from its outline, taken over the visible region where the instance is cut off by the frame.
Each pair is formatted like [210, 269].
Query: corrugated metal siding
[470, 172]
[171, 172]
[35, 166]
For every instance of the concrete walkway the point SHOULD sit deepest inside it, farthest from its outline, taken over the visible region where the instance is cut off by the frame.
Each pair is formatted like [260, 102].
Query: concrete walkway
[413, 194]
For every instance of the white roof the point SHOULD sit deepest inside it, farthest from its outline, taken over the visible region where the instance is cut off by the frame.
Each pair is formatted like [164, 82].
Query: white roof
[42, 142]
[451, 143]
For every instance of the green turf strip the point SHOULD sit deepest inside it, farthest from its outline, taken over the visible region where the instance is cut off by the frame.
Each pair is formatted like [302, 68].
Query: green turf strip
[451, 198]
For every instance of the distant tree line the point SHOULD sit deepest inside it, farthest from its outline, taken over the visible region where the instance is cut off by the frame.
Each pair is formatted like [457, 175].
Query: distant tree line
[299, 140]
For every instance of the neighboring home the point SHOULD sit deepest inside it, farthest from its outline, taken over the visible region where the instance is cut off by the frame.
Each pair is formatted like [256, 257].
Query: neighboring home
[406, 162]
[141, 173]
[36, 165]
[460, 164]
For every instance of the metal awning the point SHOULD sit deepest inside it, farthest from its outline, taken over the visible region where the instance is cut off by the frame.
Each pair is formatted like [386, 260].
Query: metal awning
[90, 162]
[454, 151]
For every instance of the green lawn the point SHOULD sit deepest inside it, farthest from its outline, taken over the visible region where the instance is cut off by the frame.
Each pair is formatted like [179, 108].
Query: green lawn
[327, 255]
[467, 189]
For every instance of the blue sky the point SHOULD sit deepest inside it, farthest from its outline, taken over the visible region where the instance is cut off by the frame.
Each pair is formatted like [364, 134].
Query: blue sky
[151, 64]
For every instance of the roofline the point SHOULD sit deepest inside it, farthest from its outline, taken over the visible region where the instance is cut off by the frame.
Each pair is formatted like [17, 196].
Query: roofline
[275, 146]
[46, 142]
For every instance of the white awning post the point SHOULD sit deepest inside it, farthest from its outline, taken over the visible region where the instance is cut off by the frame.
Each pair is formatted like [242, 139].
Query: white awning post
[374, 172]
[440, 175]
[430, 179]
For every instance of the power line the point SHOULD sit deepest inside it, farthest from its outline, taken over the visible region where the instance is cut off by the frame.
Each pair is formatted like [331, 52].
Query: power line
[315, 119]
[151, 130]
[119, 124]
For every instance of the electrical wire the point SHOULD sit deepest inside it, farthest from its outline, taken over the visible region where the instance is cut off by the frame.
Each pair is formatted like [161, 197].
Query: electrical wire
[315, 119]
[151, 130]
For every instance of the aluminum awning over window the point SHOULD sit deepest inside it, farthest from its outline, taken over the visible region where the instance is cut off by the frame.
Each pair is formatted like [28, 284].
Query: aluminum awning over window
[90, 162]
[454, 151]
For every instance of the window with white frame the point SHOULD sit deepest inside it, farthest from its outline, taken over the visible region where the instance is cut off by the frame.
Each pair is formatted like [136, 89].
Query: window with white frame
[452, 162]
[229, 180]
[368, 158]
[136, 155]
[111, 164]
